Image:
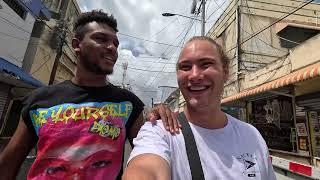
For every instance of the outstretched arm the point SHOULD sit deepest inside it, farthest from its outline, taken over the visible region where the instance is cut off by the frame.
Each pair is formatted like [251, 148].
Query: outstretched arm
[147, 167]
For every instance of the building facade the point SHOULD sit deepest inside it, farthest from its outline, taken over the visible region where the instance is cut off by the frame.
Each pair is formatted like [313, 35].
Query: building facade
[274, 79]
[44, 46]
[17, 18]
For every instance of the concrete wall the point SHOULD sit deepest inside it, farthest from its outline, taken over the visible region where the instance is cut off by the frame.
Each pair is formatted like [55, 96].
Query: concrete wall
[297, 59]
[306, 54]
[14, 34]
[261, 59]
[40, 57]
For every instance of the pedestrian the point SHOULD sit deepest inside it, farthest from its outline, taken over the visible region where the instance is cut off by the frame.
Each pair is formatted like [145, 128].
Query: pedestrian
[80, 125]
[213, 144]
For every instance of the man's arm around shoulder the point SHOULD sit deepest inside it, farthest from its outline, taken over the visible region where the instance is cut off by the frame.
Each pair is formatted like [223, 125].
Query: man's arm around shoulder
[147, 167]
[16, 151]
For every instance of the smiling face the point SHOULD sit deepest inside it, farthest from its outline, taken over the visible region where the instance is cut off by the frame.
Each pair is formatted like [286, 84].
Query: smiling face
[97, 50]
[201, 74]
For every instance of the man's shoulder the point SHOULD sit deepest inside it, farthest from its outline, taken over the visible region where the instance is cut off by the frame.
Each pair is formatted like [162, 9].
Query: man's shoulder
[121, 90]
[157, 127]
[49, 89]
[242, 126]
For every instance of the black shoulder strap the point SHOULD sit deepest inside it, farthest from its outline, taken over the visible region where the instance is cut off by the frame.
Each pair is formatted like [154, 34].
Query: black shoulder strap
[192, 150]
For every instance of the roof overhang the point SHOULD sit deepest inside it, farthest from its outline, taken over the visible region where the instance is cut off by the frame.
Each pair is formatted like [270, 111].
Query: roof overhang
[306, 73]
[16, 76]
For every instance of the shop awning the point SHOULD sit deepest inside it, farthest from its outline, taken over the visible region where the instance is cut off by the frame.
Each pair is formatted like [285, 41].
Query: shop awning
[309, 72]
[16, 72]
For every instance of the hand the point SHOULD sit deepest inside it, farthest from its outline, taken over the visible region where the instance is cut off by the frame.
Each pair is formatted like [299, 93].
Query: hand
[169, 118]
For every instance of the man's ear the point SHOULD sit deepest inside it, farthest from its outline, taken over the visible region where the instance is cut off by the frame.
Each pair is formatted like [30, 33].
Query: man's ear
[76, 45]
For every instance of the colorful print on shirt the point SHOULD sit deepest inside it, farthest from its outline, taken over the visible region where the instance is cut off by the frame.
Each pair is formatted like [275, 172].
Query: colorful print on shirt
[80, 141]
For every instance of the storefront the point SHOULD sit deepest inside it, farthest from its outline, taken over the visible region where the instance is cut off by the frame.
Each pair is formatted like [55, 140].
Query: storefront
[286, 112]
[14, 84]
[273, 117]
[311, 106]
[4, 94]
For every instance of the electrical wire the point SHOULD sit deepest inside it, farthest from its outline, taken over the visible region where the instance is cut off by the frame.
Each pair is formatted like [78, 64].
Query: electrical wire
[45, 62]
[273, 23]
[161, 43]
[219, 7]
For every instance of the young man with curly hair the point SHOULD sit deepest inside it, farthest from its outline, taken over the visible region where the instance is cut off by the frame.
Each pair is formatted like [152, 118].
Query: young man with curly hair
[80, 125]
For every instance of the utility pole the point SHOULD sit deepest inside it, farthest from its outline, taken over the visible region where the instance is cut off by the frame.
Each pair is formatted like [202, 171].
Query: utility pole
[152, 104]
[203, 18]
[124, 74]
[61, 36]
[203, 14]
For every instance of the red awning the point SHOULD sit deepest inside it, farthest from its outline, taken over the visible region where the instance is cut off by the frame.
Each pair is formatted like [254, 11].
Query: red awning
[309, 72]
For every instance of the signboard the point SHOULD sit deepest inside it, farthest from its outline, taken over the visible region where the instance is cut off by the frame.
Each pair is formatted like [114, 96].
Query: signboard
[301, 129]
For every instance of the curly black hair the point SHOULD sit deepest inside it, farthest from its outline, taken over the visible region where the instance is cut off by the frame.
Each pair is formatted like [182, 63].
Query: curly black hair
[91, 16]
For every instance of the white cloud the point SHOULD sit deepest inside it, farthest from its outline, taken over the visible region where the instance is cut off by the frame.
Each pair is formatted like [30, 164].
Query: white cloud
[143, 19]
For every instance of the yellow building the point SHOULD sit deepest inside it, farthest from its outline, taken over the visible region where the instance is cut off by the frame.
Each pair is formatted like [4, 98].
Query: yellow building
[43, 46]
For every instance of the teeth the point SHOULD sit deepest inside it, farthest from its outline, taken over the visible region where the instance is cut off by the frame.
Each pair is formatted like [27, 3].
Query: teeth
[197, 88]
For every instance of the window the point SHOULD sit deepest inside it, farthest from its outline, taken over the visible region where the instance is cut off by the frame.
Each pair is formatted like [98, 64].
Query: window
[293, 34]
[14, 5]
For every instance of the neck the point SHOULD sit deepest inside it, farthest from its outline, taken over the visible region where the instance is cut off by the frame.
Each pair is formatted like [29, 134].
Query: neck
[210, 118]
[83, 77]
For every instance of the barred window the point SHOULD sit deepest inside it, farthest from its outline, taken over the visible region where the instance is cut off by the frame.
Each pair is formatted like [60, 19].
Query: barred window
[14, 5]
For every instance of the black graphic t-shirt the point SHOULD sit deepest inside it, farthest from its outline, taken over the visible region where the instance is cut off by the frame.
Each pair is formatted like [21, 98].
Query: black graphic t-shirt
[81, 131]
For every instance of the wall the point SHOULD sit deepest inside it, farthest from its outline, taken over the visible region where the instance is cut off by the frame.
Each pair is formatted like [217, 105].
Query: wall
[311, 48]
[261, 59]
[14, 34]
[40, 58]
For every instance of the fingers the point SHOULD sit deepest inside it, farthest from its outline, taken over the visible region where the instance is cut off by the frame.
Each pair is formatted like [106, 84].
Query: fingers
[170, 120]
[175, 114]
[162, 110]
[175, 123]
[152, 117]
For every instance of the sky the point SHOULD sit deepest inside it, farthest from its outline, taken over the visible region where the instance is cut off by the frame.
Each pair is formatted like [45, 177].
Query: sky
[150, 66]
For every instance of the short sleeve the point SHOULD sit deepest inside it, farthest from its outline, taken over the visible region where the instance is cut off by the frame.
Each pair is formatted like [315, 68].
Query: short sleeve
[137, 109]
[26, 106]
[152, 139]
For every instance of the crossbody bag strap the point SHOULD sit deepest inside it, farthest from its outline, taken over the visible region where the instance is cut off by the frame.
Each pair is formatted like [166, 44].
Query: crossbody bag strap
[192, 150]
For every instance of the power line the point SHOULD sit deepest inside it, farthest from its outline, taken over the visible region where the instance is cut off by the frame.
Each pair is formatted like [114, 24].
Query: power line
[208, 4]
[45, 62]
[219, 7]
[182, 40]
[263, 41]
[147, 40]
[146, 70]
[276, 21]
[165, 27]
[60, 36]
[176, 39]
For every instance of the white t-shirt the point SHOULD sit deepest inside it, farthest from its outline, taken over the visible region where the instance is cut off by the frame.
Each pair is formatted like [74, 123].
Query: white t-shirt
[236, 151]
